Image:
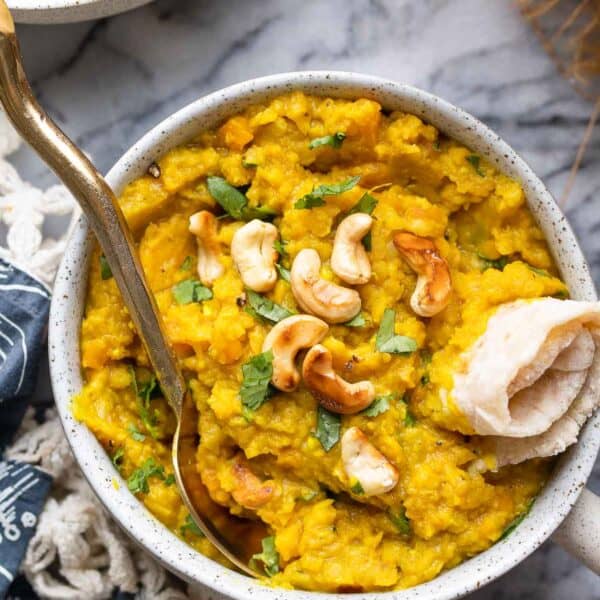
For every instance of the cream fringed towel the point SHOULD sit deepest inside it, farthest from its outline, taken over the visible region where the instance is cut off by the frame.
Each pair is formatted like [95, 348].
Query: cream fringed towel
[532, 379]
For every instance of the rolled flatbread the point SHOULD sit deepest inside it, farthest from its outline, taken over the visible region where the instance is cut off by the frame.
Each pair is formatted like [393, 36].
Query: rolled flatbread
[532, 379]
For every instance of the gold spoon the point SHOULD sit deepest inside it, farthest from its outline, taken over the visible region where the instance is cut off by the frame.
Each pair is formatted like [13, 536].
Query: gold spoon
[238, 539]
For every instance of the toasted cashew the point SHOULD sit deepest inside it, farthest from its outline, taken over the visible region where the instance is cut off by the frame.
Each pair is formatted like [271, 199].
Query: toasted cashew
[203, 225]
[334, 393]
[434, 285]
[250, 492]
[285, 340]
[349, 259]
[331, 302]
[254, 255]
[365, 464]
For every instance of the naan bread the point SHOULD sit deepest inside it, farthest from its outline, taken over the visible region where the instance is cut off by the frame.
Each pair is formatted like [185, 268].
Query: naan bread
[532, 379]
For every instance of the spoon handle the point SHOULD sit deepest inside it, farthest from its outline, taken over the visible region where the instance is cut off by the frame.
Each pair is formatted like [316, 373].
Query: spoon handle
[98, 203]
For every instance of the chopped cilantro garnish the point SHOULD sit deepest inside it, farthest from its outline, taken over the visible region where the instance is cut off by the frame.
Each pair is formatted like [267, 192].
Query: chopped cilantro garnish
[117, 457]
[280, 245]
[143, 393]
[105, 270]
[283, 272]
[190, 290]
[266, 308]
[138, 480]
[380, 405]
[400, 521]
[475, 161]
[186, 265]
[234, 203]
[335, 140]
[170, 480]
[317, 196]
[388, 341]
[516, 521]
[409, 419]
[367, 241]
[190, 526]
[328, 428]
[357, 488]
[540, 272]
[358, 321]
[308, 496]
[493, 263]
[135, 433]
[257, 373]
[366, 204]
[269, 556]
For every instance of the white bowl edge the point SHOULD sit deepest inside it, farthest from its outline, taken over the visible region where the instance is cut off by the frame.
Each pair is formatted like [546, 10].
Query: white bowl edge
[51, 12]
[568, 478]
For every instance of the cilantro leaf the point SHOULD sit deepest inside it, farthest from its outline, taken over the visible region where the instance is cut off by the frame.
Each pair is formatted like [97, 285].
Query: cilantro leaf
[135, 433]
[388, 341]
[475, 161]
[316, 197]
[186, 265]
[367, 241]
[358, 321]
[170, 480]
[257, 373]
[269, 556]
[540, 272]
[335, 140]
[400, 521]
[357, 488]
[266, 308]
[105, 270]
[283, 272]
[138, 480]
[491, 263]
[366, 204]
[189, 525]
[117, 457]
[516, 521]
[234, 203]
[143, 395]
[328, 428]
[190, 290]
[409, 419]
[380, 405]
[280, 245]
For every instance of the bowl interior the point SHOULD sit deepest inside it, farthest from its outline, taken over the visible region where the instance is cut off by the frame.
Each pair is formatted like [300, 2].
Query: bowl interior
[572, 469]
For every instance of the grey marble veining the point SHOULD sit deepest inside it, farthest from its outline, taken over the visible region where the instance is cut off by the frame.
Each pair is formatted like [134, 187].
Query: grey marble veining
[108, 82]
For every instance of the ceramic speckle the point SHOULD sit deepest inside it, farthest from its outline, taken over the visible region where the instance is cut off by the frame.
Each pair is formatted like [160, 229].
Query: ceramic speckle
[68, 11]
[573, 468]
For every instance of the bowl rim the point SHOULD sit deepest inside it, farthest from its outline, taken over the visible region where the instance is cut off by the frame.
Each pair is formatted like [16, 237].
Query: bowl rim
[573, 468]
[68, 11]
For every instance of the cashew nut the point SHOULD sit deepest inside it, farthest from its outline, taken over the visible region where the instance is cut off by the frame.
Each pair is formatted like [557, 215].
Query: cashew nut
[334, 393]
[254, 255]
[365, 464]
[285, 340]
[250, 492]
[434, 285]
[331, 302]
[203, 225]
[349, 259]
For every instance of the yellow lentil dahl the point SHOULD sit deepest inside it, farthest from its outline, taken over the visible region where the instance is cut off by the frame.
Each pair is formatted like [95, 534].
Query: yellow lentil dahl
[327, 536]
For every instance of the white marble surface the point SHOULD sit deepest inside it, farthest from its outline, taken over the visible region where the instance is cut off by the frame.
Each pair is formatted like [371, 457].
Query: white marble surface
[107, 82]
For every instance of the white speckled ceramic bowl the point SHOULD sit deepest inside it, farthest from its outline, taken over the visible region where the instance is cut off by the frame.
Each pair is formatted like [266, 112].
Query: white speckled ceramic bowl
[52, 12]
[569, 477]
